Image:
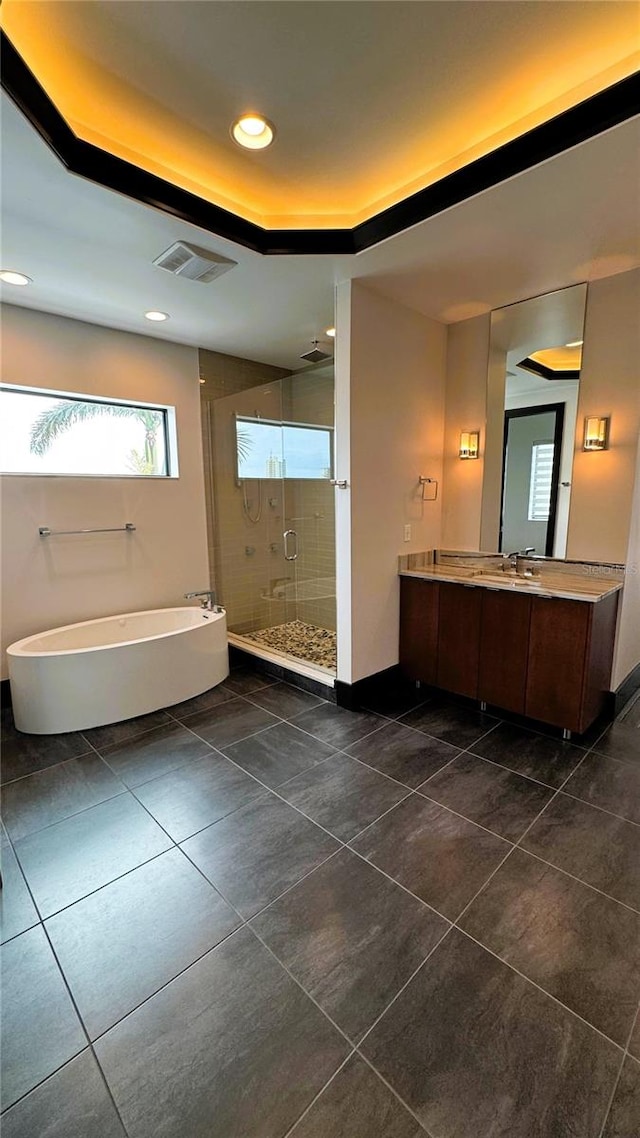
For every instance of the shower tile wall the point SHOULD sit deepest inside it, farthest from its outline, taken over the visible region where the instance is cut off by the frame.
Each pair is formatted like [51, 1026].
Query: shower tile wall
[257, 586]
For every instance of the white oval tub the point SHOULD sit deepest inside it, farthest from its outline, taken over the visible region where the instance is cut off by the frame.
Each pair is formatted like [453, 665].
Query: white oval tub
[101, 671]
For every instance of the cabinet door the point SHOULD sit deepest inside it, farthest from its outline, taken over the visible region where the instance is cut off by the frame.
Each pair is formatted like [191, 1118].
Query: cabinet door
[558, 640]
[459, 638]
[602, 635]
[504, 649]
[419, 628]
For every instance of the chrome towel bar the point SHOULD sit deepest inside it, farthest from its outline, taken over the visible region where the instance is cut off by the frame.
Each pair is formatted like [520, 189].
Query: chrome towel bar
[44, 531]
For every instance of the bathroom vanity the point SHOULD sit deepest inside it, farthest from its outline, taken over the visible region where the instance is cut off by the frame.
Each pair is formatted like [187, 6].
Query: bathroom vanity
[538, 642]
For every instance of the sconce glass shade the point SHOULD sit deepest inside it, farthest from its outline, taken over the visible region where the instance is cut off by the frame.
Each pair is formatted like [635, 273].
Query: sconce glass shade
[469, 444]
[596, 434]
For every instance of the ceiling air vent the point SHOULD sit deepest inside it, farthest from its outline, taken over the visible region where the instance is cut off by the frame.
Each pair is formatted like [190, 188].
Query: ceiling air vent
[191, 261]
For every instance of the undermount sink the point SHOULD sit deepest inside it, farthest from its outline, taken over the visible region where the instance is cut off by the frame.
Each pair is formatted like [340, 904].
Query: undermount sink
[509, 580]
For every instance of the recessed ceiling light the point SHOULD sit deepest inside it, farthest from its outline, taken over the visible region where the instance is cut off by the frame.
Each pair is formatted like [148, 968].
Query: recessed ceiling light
[253, 132]
[330, 332]
[575, 344]
[154, 315]
[9, 276]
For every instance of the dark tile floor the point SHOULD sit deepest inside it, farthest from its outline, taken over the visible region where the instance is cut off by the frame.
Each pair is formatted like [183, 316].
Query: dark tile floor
[258, 915]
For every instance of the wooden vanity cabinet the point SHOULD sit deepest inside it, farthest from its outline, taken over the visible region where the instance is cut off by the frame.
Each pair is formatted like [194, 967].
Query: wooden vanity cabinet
[570, 657]
[544, 657]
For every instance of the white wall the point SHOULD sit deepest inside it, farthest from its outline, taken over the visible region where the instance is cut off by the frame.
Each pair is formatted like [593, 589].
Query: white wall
[627, 654]
[466, 409]
[55, 581]
[389, 425]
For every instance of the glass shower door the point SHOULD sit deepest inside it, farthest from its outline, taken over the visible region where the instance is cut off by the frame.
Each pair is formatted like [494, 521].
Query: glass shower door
[272, 520]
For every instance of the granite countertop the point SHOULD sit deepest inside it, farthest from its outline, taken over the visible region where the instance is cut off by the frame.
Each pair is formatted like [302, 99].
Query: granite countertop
[570, 581]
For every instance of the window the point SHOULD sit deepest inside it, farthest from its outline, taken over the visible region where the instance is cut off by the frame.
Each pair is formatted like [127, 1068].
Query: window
[268, 449]
[540, 482]
[43, 432]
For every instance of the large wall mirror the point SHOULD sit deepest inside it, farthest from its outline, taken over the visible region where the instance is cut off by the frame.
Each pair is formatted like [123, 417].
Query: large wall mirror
[534, 374]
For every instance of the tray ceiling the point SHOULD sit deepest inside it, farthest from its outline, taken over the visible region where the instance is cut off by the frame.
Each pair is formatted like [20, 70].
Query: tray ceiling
[371, 101]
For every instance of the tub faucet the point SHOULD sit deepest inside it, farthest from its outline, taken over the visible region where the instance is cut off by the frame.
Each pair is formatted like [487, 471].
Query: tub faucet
[208, 599]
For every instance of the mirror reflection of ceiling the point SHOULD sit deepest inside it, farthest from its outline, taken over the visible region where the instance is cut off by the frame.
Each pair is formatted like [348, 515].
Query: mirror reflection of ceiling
[562, 358]
[523, 331]
[159, 83]
[553, 364]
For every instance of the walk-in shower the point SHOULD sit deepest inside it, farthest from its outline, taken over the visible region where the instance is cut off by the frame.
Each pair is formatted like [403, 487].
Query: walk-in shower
[269, 459]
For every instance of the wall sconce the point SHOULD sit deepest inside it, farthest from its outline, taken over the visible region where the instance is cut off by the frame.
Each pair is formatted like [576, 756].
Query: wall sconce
[469, 444]
[596, 434]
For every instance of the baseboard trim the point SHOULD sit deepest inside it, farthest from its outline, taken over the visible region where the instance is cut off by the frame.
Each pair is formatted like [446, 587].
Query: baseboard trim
[626, 690]
[354, 696]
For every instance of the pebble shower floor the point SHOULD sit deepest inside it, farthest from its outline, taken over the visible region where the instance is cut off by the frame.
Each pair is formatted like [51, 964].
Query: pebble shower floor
[305, 641]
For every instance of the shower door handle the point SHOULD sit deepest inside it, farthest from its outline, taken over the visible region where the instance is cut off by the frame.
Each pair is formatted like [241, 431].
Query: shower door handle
[286, 535]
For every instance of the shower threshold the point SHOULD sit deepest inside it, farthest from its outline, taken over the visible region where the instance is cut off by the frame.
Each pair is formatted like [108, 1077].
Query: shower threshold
[306, 649]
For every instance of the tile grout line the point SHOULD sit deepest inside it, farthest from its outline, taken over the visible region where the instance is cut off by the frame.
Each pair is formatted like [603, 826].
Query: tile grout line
[405, 889]
[82, 1025]
[626, 1053]
[528, 777]
[539, 987]
[514, 845]
[111, 881]
[74, 814]
[377, 1073]
[41, 923]
[245, 923]
[579, 880]
[314, 1100]
[156, 991]
[464, 818]
[602, 809]
[5, 1109]
[412, 977]
[82, 755]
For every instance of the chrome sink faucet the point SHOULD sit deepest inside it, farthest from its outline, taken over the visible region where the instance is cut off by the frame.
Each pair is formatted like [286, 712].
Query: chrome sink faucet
[512, 559]
[208, 599]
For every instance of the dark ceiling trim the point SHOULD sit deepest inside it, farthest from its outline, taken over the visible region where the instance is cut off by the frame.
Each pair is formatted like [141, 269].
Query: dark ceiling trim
[607, 109]
[545, 372]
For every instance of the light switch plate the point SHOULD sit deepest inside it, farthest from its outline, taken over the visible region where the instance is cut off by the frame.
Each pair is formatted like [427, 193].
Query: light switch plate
[407, 533]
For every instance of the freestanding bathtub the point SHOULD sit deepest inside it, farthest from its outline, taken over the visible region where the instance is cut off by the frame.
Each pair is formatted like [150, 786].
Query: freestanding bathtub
[101, 671]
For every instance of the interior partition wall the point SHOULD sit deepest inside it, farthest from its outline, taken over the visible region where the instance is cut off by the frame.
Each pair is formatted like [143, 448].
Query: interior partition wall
[268, 453]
